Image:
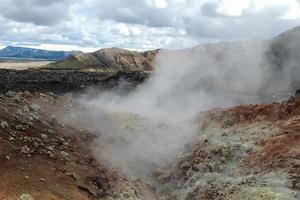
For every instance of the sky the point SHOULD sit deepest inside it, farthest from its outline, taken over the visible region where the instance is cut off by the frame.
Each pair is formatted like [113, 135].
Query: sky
[88, 25]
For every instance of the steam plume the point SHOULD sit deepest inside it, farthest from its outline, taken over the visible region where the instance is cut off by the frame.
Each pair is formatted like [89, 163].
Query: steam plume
[150, 126]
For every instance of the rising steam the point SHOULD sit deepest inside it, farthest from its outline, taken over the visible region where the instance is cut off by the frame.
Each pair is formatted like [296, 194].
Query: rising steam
[150, 126]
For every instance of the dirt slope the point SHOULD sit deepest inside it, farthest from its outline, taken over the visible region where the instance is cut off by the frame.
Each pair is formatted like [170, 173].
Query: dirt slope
[244, 152]
[46, 159]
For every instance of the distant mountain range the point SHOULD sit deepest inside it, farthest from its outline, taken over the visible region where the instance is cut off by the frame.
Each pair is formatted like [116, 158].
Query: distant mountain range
[30, 53]
[280, 52]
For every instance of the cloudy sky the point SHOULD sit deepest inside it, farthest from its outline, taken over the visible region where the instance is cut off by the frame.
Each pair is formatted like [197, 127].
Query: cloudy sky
[141, 24]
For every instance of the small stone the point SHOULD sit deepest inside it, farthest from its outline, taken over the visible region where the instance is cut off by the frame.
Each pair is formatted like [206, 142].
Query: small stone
[50, 148]
[223, 159]
[34, 107]
[215, 149]
[65, 155]
[161, 174]
[26, 197]
[4, 125]
[7, 157]
[52, 94]
[42, 95]
[20, 127]
[52, 120]
[185, 165]
[42, 180]
[10, 93]
[26, 93]
[294, 181]
[73, 175]
[19, 112]
[25, 108]
[26, 177]
[36, 144]
[25, 150]
[36, 117]
[66, 144]
[61, 140]
[44, 136]
[17, 98]
[50, 154]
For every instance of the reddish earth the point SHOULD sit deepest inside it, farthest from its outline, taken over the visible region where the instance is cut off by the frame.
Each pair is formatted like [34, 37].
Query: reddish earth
[49, 160]
[237, 147]
[281, 150]
[242, 151]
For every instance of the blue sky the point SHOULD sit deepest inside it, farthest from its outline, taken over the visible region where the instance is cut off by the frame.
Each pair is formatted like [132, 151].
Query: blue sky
[88, 25]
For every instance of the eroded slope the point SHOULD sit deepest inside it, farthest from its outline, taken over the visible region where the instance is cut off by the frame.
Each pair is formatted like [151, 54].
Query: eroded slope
[44, 158]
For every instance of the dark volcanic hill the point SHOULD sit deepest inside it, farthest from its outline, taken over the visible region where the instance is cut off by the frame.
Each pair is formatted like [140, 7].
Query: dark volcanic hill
[285, 50]
[30, 53]
[110, 59]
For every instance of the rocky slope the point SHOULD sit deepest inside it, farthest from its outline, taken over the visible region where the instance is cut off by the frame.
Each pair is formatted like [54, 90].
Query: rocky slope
[111, 59]
[43, 158]
[244, 152]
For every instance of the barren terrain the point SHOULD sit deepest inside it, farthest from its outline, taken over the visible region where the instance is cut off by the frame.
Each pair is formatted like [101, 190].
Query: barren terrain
[46, 159]
[156, 125]
[17, 65]
[244, 152]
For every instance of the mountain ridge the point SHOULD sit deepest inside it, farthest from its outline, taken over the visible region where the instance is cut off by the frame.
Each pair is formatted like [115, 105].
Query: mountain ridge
[32, 53]
[124, 60]
[108, 59]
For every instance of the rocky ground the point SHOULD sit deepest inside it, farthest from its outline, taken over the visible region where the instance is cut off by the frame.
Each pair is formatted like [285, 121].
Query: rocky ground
[244, 152]
[62, 81]
[42, 158]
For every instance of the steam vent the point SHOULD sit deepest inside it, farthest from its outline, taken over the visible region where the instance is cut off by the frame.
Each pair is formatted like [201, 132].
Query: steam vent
[150, 100]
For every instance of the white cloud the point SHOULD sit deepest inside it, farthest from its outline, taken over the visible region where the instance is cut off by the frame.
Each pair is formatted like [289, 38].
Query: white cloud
[160, 3]
[233, 7]
[59, 47]
[36, 12]
[141, 24]
[123, 29]
[53, 37]
[136, 31]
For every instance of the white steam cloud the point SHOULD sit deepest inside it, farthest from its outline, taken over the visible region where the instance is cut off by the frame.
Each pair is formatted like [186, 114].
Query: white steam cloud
[150, 126]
